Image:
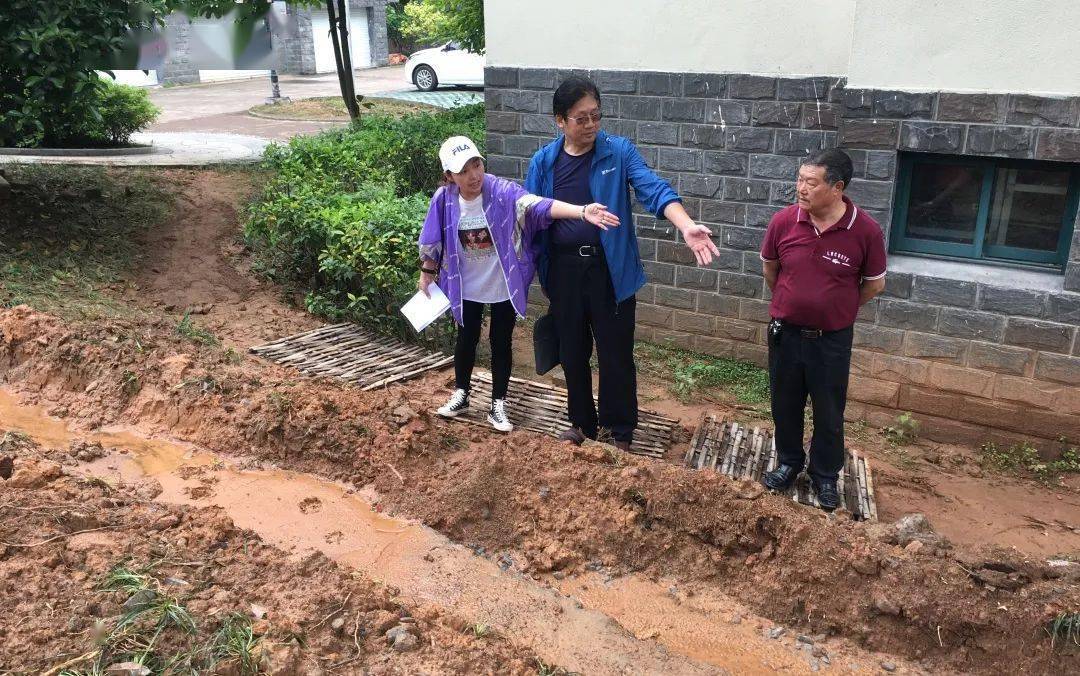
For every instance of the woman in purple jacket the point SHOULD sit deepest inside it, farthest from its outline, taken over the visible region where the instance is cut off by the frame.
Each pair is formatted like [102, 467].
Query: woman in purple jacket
[477, 240]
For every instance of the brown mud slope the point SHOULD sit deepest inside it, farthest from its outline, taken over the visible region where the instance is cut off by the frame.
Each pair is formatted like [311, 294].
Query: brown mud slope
[568, 510]
[61, 533]
[195, 263]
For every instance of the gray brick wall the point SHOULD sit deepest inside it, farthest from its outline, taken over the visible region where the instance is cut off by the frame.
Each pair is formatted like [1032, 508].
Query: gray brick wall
[731, 145]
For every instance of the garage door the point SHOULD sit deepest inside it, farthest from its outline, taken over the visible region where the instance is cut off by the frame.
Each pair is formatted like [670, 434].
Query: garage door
[358, 40]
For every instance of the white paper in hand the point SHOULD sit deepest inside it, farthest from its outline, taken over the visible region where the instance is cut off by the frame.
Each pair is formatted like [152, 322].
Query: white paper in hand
[421, 311]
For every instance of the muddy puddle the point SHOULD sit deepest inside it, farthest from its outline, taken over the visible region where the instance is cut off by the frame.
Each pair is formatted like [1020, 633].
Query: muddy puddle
[589, 624]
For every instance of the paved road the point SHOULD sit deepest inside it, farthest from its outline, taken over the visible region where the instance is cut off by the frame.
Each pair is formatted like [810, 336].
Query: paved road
[221, 107]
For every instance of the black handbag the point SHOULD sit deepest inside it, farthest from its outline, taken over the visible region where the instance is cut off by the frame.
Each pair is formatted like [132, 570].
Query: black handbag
[545, 344]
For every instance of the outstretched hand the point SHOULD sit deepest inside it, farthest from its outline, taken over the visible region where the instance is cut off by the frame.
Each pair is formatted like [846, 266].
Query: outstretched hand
[699, 240]
[598, 215]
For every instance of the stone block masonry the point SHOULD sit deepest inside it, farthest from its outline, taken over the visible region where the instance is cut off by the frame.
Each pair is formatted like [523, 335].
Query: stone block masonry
[973, 360]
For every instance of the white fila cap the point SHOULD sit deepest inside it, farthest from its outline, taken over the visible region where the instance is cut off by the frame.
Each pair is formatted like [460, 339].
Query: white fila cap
[456, 151]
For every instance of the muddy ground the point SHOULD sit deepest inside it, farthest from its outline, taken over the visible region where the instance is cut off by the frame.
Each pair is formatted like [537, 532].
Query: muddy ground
[66, 530]
[616, 532]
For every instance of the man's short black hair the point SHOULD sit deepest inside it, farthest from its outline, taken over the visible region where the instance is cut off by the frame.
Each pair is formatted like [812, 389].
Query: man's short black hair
[836, 163]
[572, 90]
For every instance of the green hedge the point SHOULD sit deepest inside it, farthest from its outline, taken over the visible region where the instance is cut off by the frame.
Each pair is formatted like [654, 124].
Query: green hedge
[340, 216]
[111, 114]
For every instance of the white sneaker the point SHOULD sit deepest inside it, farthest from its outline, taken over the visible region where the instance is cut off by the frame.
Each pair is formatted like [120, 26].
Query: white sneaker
[497, 416]
[459, 401]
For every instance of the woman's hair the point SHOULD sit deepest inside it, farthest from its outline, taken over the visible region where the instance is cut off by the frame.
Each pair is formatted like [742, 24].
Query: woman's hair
[572, 90]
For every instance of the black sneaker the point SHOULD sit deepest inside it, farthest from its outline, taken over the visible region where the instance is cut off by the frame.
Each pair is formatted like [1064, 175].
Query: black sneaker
[781, 478]
[497, 416]
[827, 494]
[458, 403]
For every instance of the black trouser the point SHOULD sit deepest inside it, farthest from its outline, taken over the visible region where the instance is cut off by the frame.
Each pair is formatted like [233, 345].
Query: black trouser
[800, 365]
[500, 333]
[584, 307]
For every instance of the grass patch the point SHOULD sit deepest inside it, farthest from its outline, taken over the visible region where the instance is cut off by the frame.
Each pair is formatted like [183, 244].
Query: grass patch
[236, 644]
[1064, 629]
[155, 629]
[1025, 459]
[332, 108]
[68, 233]
[689, 373]
[187, 328]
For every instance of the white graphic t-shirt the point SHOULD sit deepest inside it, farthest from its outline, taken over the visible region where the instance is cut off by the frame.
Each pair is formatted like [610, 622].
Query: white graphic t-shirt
[482, 279]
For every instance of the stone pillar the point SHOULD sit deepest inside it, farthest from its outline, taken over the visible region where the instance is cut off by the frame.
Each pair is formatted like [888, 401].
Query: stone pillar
[298, 50]
[178, 68]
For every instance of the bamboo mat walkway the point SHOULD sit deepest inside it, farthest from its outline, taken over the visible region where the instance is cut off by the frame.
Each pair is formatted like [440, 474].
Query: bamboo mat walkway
[352, 354]
[542, 408]
[744, 453]
[367, 360]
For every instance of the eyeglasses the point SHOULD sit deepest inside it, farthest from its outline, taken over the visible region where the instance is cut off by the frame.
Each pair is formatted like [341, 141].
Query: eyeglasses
[585, 119]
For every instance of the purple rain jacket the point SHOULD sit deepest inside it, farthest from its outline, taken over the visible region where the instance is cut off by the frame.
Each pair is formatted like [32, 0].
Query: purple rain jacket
[513, 216]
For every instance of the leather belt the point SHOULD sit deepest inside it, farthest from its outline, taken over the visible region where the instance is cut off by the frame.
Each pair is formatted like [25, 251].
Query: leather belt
[585, 250]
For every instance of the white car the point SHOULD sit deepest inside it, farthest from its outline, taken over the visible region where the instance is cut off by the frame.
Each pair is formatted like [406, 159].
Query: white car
[446, 65]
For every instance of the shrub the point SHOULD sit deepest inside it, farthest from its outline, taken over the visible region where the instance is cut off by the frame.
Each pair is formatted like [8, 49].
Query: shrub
[340, 217]
[403, 151]
[124, 110]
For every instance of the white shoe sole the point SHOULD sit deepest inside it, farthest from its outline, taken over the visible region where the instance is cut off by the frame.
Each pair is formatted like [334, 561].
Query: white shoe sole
[450, 414]
[508, 428]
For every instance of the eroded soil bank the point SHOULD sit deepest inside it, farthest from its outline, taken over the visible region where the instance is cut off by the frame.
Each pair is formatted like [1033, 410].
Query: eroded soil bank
[688, 563]
[554, 512]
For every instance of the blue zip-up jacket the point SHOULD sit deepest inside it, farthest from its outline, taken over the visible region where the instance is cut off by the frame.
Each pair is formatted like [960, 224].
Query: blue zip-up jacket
[616, 166]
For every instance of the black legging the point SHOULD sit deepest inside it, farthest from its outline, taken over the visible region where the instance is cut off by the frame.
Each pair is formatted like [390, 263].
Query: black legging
[501, 335]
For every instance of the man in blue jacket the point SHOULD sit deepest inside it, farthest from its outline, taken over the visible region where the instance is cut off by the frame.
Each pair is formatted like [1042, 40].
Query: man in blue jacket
[589, 275]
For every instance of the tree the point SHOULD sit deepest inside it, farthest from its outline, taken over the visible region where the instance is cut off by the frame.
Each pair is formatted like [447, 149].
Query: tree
[49, 52]
[437, 21]
[466, 22]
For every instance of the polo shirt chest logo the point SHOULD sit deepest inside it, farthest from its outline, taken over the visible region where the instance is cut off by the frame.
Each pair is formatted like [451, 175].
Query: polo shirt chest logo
[837, 258]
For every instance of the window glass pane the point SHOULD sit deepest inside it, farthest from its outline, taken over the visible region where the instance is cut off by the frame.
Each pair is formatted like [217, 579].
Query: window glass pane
[1027, 208]
[944, 202]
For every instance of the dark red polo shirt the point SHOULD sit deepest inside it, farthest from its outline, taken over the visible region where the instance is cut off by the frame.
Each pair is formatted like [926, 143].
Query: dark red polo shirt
[820, 274]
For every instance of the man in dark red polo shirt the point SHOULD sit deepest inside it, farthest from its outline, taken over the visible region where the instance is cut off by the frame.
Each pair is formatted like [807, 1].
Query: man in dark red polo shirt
[823, 257]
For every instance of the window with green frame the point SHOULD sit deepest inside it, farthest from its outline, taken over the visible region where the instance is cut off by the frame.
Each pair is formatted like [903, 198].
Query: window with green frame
[986, 209]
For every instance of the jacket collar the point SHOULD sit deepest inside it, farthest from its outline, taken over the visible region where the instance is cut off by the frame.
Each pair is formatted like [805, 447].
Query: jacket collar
[602, 148]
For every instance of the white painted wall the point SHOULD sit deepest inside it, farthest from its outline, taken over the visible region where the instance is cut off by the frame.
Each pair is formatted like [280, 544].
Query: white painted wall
[917, 45]
[967, 45]
[771, 37]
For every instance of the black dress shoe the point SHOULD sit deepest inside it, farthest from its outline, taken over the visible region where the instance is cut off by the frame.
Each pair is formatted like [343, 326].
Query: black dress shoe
[781, 478]
[827, 494]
